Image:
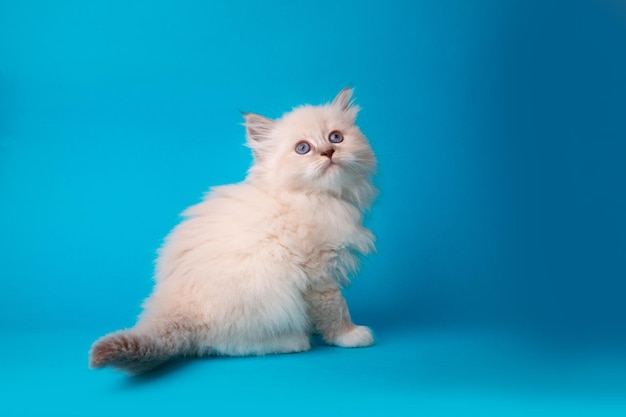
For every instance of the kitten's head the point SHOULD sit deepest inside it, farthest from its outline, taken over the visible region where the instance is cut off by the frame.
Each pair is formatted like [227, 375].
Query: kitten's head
[316, 149]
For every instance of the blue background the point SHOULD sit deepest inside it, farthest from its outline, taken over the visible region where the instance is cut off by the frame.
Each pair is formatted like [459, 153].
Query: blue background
[500, 128]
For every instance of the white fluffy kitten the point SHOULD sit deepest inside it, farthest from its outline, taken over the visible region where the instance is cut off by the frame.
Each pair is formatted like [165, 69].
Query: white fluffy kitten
[256, 267]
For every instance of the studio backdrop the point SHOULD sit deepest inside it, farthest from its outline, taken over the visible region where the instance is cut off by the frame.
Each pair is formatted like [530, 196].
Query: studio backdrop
[499, 129]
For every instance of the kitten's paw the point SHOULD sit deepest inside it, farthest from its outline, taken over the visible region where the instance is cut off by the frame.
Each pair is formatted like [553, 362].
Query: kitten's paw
[358, 336]
[293, 344]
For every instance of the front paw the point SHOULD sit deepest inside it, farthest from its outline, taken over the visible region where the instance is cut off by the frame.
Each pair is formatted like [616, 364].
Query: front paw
[357, 336]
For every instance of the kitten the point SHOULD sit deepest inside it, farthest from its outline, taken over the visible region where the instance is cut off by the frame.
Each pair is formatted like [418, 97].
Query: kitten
[257, 267]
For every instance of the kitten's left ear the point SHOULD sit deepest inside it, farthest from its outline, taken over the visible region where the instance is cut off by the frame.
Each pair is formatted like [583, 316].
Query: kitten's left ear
[258, 128]
[343, 100]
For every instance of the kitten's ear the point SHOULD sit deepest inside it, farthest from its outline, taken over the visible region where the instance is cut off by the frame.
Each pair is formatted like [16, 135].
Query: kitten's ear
[258, 128]
[343, 100]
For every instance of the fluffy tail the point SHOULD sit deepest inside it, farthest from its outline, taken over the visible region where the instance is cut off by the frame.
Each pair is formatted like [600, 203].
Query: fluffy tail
[136, 352]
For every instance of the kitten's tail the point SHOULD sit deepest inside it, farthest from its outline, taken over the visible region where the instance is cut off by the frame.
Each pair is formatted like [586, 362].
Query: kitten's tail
[137, 351]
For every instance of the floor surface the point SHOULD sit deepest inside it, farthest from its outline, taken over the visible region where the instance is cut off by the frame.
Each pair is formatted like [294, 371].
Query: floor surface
[424, 372]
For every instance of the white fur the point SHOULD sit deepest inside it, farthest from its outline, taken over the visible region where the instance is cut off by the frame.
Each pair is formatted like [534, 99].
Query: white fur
[240, 262]
[358, 336]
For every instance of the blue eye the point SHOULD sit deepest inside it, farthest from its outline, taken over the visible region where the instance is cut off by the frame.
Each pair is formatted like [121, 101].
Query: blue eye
[303, 147]
[335, 137]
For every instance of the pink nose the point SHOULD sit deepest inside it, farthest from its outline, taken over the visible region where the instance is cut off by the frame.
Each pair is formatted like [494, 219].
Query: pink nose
[329, 153]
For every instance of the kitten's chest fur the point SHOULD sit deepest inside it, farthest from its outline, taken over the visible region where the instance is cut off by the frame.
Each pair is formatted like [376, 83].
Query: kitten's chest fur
[324, 235]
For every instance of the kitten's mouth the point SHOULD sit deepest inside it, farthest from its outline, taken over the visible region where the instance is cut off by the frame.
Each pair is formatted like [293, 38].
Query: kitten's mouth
[331, 165]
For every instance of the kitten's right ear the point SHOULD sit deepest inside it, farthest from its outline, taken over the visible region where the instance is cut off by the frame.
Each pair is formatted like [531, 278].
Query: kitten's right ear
[258, 128]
